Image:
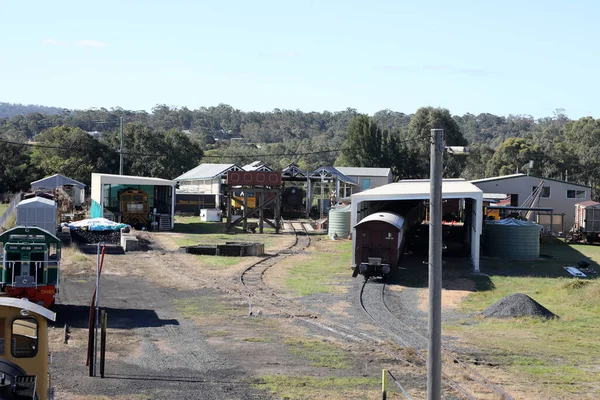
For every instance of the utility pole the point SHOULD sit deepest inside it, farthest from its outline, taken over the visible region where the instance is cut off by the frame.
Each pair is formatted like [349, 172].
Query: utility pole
[434, 349]
[121, 152]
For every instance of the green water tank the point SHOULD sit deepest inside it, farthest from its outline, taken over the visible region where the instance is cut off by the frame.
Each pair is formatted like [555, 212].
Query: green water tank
[512, 239]
[339, 222]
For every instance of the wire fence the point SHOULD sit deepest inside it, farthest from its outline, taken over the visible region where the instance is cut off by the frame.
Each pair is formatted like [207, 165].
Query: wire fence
[10, 210]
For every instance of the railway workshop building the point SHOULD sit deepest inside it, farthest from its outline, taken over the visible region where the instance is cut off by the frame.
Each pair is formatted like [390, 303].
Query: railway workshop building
[561, 196]
[135, 200]
[462, 203]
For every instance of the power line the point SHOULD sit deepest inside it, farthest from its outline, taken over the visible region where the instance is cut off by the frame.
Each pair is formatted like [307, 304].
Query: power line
[44, 146]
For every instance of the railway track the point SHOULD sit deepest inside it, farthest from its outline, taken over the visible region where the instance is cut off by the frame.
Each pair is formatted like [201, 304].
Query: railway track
[259, 293]
[453, 369]
[252, 278]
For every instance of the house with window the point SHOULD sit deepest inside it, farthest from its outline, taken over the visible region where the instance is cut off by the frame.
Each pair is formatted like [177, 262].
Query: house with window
[367, 178]
[559, 195]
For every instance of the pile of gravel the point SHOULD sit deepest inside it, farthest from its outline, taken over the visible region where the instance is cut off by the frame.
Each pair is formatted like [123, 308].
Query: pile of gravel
[517, 305]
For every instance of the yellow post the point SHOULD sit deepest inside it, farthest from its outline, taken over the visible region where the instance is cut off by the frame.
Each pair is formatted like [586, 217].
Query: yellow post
[383, 376]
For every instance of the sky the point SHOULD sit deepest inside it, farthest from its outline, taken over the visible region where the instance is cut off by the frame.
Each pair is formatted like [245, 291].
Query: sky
[510, 57]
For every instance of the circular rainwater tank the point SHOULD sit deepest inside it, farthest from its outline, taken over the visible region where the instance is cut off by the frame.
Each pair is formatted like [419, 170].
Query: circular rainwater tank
[512, 239]
[339, 222]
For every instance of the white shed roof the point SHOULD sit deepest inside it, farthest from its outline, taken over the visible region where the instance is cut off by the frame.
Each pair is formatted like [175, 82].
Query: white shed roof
[109, 179]
[419, 189]
[37, 202]
[360, 171]
[54, 181]
[206, 171]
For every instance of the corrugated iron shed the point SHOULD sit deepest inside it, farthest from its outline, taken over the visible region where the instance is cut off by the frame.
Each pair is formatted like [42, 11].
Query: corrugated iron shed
[208, 171]
[55, 181]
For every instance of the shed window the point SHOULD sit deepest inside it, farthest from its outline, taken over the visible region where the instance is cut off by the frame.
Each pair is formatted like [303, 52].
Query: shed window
[545, 191]
[366, 183]
[575, 194]
[24, 337]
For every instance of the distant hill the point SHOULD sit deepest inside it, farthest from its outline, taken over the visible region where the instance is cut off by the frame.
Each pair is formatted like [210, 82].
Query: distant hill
[10, 110]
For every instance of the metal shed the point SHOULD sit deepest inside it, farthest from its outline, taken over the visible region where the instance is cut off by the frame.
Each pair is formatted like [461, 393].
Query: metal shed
[587, 216]
[37, 211]
[57, 180]
[160, 196]
[373, 200]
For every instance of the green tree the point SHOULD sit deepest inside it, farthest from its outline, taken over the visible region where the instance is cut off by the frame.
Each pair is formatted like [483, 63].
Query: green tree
[512, 156]
[582, 137]
[14, 162]
[419, 143]
[476, 162]
[71, 152]
[367, 145]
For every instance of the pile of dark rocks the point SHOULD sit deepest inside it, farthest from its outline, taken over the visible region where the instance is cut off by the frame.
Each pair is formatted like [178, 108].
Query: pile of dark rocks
[517, 305]
[85, 236]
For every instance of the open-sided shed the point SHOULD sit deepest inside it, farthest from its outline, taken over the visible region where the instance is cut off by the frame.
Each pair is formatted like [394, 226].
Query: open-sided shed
[119, 195]
[394, 195]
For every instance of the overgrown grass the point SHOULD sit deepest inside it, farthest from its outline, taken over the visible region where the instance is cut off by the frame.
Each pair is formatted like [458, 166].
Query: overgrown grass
[558, 352]
[3, 207]
[318, 353]
[317, 272]
[203, 306]
[10, 222]
[310, 387]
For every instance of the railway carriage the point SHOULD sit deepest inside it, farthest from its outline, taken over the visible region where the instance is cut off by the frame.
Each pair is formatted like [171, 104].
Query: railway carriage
[30, 264]
[24, 352]
[380, 243]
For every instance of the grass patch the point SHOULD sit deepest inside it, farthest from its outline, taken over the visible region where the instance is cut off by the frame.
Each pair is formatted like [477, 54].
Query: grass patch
[332, 388]
[10, 222]
[557, 352]
[204, 306]
[3, 208]
[257, 340]
[318, 270]
[318, 353]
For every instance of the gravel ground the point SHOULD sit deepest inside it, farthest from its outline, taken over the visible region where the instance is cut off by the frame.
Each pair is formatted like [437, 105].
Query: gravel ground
[172, 359]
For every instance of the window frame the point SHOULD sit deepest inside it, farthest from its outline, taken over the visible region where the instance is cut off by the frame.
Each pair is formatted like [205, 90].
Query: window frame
[37, 337]
[366, 180]
[542, 194]
[576, 191]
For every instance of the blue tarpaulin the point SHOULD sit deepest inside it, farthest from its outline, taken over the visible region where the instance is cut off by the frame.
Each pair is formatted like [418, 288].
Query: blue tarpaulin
[97, 224]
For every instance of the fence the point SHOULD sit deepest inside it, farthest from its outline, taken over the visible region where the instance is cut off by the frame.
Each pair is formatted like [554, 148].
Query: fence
[11, 208]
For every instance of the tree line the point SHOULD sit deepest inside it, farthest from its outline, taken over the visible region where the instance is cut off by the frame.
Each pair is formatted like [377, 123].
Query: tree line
[169, 141]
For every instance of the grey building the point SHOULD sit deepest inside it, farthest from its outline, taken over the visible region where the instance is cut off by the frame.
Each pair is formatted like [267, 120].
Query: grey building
[559, 195]
[367, 178]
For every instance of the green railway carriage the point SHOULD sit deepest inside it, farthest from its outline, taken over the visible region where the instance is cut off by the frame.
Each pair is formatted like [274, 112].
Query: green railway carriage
[30, 264]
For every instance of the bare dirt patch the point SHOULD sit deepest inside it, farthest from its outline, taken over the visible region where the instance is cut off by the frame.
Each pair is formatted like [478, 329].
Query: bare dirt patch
[453, 293]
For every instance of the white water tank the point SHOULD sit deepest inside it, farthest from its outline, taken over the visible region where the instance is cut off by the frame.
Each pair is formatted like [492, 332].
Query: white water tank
[339, 222]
